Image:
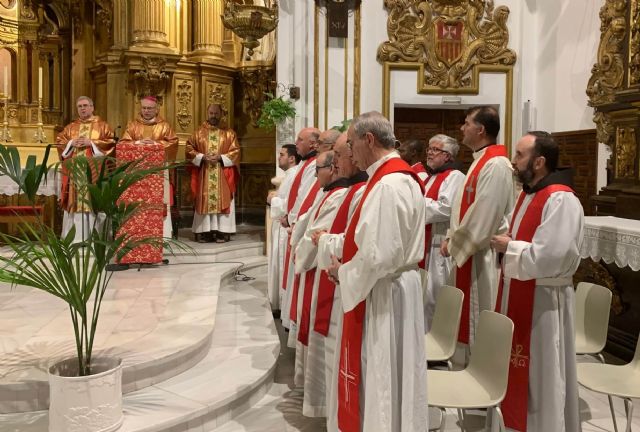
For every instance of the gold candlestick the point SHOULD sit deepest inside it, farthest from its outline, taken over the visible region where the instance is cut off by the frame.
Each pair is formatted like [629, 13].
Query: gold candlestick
[5, 134]
[39, 135]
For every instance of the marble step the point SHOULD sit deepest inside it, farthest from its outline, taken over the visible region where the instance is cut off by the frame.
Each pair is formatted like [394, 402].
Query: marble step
[158, 320]
[235, 374]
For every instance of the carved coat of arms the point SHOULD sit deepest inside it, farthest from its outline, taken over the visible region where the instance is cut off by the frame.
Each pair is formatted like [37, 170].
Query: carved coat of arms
[449, 37]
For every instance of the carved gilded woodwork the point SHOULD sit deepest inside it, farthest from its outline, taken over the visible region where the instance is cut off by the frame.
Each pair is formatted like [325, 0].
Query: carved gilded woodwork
[626, 152]
[634, 44]
[594, 272]
[104, 16]
[608, 72]
[184, 96]
[255, 83]
[152, 80]
[605, 131]
[452, 39]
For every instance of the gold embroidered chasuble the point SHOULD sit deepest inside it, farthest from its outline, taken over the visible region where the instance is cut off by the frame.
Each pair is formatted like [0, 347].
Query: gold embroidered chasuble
[157, 129]
[213, 186]
[101, 135]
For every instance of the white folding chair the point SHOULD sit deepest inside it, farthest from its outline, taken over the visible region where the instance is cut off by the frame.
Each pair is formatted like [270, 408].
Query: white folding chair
[440, 342]
[483, 384]
[592, 307]
[622, 381]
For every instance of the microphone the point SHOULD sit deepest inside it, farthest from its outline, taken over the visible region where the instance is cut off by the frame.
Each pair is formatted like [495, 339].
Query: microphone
[116, 138]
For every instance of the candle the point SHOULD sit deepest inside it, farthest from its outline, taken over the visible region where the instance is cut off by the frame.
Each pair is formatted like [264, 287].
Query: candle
[6, 93]
[40, 82]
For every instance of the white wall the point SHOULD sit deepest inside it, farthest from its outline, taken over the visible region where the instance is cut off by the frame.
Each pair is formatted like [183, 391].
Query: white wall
[556, 42]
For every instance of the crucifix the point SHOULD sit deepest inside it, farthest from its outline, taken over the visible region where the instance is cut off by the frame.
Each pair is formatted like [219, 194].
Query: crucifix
[469, 189]
[348, 377]
[338, 16]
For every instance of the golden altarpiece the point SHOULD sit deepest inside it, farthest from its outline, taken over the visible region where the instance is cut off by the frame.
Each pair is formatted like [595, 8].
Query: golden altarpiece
[614, 93]
[114, 51]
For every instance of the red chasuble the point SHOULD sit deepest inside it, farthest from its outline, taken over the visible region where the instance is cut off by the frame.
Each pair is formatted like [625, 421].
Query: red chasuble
[147, 222]
[349, 376]
[520, 310]
[291, 200]
[326, 289]
[306, 205]
[305, 318]
[463, 274]
[432, 193]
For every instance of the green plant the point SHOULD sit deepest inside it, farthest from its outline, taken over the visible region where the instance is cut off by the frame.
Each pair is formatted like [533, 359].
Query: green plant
[343, 126]
[274, 111]
[75, 272]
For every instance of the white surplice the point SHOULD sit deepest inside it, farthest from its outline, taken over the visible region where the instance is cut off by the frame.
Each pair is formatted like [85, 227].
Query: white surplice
[331, 244]
[384, 273]
[438, 214]
[309, 364]
[279, 236]
[551, 258]
[469, 237]
[308, 178]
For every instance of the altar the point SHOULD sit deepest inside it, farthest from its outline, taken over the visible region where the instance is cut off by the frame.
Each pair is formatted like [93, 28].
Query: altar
[611, 249]
[46, 197]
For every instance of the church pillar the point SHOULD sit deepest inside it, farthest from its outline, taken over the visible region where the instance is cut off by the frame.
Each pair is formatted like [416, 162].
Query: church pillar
[207, 28]
[149, 24]
[120, 24]
[22, 73]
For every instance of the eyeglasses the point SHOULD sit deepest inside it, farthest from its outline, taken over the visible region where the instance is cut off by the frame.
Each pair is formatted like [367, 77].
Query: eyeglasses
[318, 168]
[435, 150]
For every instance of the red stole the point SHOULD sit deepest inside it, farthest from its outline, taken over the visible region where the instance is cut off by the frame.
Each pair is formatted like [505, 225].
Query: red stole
[349, 376]
[432, 193]
[305, 317]
[326, 289]
[463, 274]
[293, 192]
[306, 205]
[418, 168]
[291, 200]
[520, 310]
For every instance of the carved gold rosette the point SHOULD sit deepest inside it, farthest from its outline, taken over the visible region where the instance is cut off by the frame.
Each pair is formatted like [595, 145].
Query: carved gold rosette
[450, 38]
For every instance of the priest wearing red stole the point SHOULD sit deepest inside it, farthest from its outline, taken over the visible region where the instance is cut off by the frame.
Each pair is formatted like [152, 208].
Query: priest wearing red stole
[214, 152]
[382, 381]
[444, 180]
[303, 185]
[541, 254]
[150, 128]
[479, 211]
[324, 340]
[89, 136]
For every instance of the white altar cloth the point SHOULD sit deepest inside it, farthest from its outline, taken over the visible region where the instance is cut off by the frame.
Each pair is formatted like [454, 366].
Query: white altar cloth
[612, 239]
[48, 188]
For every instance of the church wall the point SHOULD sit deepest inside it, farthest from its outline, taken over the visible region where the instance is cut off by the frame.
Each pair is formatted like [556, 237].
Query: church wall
[565, 43]
[556, 44]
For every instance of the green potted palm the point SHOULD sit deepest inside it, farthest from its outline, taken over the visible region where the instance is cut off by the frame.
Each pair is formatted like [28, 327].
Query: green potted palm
[77, 273]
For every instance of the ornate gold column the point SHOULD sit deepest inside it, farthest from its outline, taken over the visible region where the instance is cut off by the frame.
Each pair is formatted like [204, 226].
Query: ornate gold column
[149, 24]
[121, 24]
[207, 28]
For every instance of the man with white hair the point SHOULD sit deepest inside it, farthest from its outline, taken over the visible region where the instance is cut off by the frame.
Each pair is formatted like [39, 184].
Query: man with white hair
[88, 136]
[443, 182]
[382, 381]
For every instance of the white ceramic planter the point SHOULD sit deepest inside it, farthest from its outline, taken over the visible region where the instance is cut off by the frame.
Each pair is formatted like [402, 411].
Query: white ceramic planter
[88, 403]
